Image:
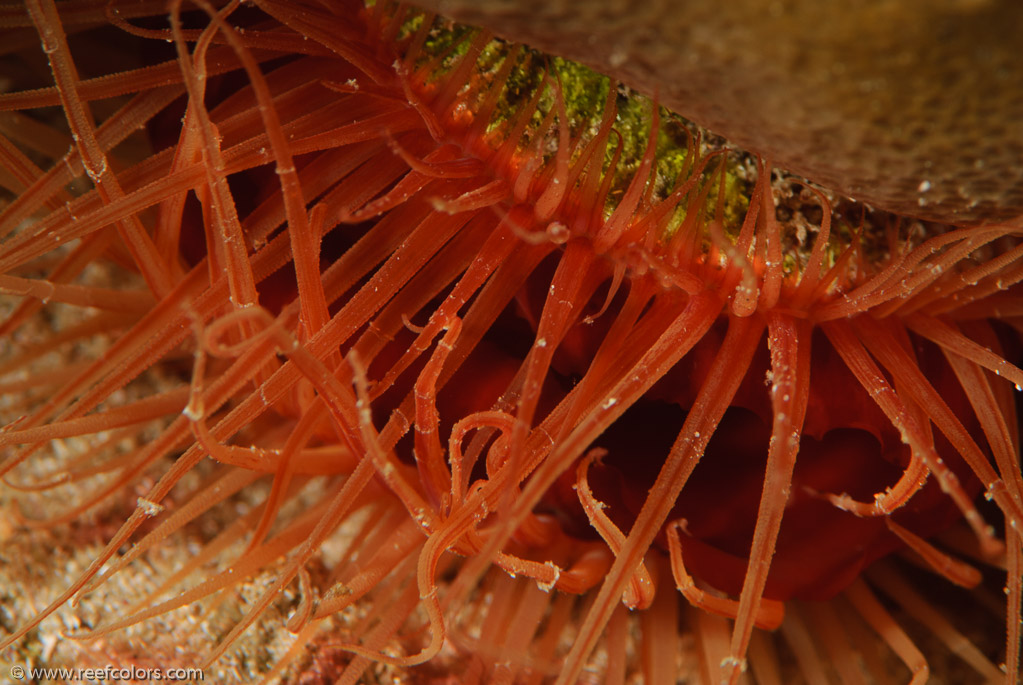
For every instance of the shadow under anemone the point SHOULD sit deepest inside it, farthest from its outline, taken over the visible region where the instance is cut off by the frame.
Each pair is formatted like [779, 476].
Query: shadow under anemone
[479, 373]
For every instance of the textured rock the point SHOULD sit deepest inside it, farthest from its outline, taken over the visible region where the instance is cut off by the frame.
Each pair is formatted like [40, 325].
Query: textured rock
[914, 106]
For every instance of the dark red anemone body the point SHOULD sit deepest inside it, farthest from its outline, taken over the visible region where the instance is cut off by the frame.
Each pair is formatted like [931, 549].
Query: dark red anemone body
[847, 447]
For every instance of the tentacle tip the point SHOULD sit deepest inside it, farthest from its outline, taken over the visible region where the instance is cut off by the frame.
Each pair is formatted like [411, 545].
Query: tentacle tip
[993, 550]
[732, 666]
[149, 507]
[194, 411]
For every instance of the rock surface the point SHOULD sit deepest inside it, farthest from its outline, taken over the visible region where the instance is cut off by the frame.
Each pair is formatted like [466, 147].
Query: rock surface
[913, 106]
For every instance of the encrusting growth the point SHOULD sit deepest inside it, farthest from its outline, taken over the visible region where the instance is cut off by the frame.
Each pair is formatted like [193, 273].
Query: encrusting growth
[383, 271]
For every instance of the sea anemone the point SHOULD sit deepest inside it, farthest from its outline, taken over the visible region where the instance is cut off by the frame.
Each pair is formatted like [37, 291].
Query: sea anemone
[472, 371]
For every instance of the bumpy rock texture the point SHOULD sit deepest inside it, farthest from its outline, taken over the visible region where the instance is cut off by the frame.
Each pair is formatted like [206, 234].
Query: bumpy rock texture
[914, 106]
